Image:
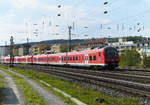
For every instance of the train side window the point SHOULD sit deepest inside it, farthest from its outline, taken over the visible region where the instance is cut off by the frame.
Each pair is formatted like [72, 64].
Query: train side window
[77, 58]
[65, 58]
[99, 54]
[74, 58]
[94, 57]
[34, 59]
[90, 58]
[45, 59]
[70, 58]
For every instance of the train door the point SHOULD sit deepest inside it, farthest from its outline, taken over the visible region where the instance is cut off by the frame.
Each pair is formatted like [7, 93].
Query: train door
[59, 59]
[86, 58]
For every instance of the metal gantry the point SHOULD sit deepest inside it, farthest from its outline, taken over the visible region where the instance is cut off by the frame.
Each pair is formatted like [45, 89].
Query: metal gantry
[11, 51]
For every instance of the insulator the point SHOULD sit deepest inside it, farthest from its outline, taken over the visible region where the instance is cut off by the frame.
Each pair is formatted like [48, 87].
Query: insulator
[59, 14]
[105, 3]
[105, 12]
[59, 6]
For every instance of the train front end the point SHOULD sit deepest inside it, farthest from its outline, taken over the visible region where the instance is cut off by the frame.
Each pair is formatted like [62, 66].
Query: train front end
[111, 57]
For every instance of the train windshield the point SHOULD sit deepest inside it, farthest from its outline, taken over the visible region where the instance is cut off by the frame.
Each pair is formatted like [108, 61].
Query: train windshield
[111, 53]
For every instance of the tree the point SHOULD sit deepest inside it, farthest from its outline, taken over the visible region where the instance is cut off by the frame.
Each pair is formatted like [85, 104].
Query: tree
[146, 61]
[63, 48]
[134, 38]
[130, 58]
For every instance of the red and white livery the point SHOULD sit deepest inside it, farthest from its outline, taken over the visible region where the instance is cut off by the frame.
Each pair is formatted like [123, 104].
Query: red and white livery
[106, 57]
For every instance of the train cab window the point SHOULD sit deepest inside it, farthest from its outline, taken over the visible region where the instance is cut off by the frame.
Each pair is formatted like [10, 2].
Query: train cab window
[90, 58]
[94, 57]
[99, 54]
[76, 58]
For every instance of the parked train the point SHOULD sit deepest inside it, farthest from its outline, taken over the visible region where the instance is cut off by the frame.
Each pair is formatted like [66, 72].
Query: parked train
[104, 57]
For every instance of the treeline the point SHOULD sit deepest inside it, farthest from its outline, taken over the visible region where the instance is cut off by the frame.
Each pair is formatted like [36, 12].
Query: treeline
[131, 58]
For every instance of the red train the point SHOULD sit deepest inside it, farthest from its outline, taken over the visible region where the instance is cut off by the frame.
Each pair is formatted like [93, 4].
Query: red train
[104, 57]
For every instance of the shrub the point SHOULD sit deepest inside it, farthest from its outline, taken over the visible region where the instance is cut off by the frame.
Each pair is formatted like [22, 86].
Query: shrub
[130, 58]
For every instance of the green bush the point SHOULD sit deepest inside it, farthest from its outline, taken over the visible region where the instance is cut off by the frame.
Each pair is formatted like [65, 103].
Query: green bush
[130, 58]
[146, 61]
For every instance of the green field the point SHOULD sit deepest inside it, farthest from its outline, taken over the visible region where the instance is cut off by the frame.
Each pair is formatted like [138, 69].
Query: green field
[2, 86]
[84, 94]
[31, 97]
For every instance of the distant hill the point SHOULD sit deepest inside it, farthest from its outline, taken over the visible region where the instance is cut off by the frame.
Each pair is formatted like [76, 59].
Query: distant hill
[54, 42]
[62, 41]
[78, 41]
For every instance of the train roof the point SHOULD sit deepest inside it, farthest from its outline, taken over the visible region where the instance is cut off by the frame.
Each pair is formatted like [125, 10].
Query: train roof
[65, 53]
[71, 53]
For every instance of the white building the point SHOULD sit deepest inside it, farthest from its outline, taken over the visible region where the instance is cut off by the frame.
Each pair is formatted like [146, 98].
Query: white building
[122, 45]
[4, 51]
[144, 51]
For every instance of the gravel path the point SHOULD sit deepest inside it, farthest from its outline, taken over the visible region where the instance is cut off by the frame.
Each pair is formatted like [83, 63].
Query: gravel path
[47, 95]
[12, 96]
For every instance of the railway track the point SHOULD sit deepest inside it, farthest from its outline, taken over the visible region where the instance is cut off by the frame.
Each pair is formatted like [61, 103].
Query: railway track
[109, 74]
[133, 84]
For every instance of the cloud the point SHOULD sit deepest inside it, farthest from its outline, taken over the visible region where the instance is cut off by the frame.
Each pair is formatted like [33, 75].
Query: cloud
[147, 0]
[25, 3]
[12, 23]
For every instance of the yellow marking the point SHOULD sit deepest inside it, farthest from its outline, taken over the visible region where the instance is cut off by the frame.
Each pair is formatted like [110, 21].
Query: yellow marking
[92, 52]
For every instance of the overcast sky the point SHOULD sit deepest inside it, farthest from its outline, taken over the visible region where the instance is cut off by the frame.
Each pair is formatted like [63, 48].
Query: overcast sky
[38, 19]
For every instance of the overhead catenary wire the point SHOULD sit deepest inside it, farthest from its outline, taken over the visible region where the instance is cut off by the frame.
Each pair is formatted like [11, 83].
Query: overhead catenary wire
[91, 12]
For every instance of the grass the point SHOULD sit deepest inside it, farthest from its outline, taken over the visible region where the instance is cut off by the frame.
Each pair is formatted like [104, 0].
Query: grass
[84, 94]
[30, 95]
[2, 86]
